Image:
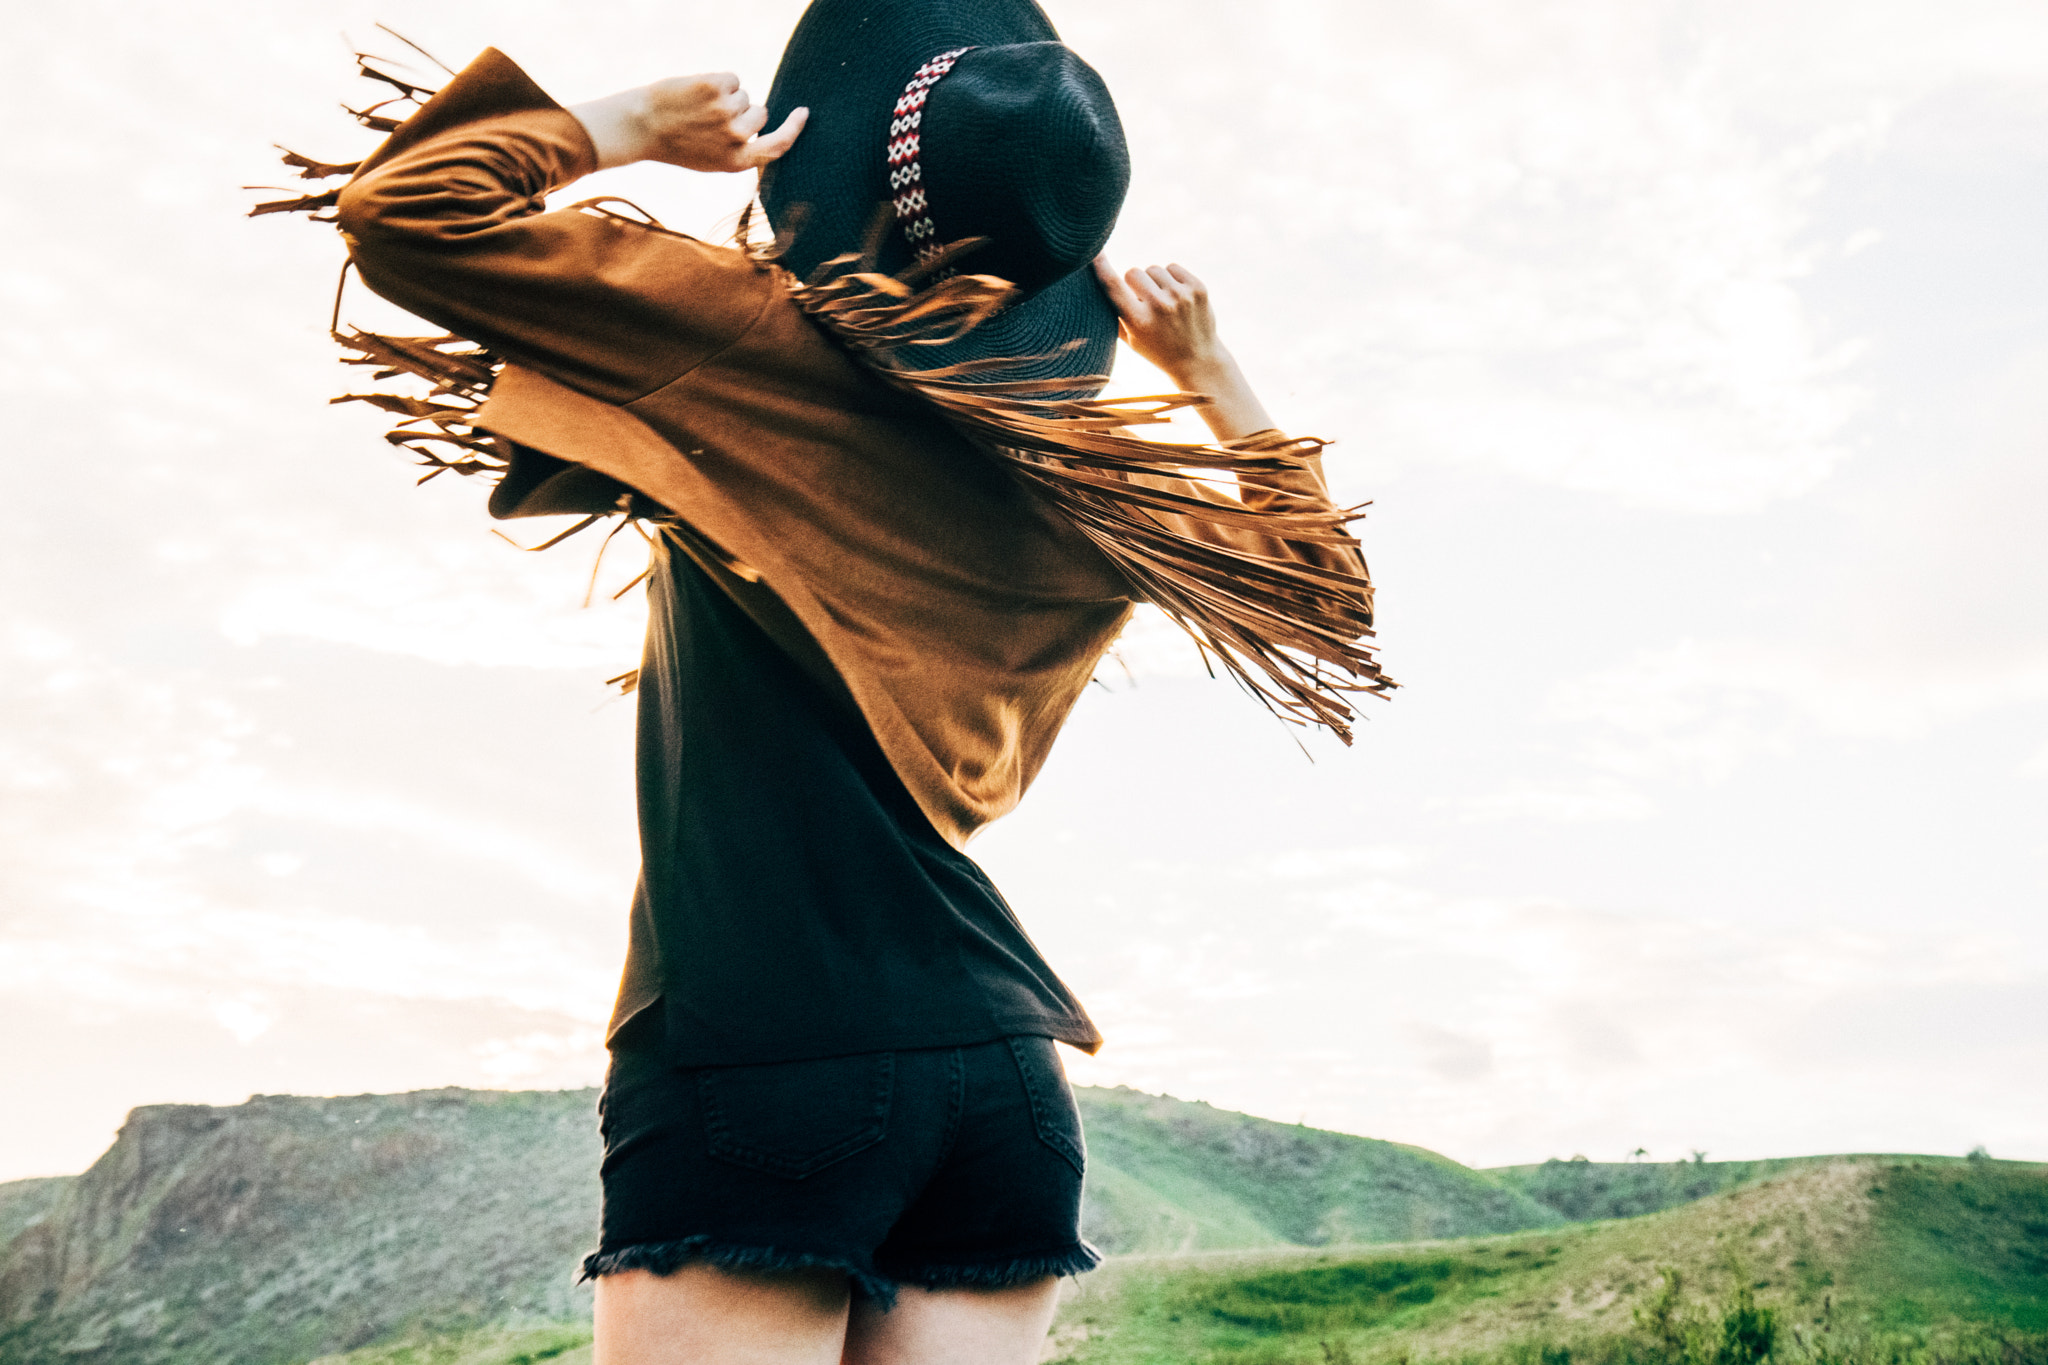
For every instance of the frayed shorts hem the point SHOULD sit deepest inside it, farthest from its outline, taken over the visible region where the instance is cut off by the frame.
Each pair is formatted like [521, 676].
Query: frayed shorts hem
[1003, 1272]
[665, 1258]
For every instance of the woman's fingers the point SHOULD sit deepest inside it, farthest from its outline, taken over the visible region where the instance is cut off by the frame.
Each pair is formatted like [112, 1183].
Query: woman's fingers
[763, 150]
[1190, 284]
[749, 122]
[1121, 298]
[1155, 286]
[1162, 312]
[1178, 283]
[704, 123]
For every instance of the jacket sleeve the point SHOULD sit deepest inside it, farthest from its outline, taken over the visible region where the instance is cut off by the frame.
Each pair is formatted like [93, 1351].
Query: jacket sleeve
[1303, 490]
[448, 221]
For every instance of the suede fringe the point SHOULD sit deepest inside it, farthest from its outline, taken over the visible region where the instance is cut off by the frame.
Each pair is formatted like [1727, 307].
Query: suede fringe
[1294, 632]
[436, 430]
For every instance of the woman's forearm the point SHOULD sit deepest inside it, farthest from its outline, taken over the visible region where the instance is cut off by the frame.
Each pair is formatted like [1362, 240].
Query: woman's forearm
[1233, 410]
[615, 127]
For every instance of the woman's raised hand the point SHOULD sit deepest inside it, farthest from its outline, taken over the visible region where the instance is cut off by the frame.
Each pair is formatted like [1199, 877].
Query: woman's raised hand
[1163, 312]
[702, 123]
[1164, 315]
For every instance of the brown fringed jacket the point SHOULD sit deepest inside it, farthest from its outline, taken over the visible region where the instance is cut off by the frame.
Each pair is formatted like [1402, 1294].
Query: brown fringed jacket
[953, 557]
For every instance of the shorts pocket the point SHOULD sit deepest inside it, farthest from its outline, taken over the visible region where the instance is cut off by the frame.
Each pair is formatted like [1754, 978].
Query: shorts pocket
[794, 1119]
[1052, 1099]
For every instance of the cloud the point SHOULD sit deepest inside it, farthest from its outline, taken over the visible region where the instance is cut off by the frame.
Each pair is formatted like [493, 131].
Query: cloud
[1702, 710]
[1453, 1056]
[167, 850]
[245, 1019]
[1151, 646]
[1508, 1030]
[154, 958]
[1564, 246]
[1297, 865]
[1594, 800]
[525, 1060]
[470, 601]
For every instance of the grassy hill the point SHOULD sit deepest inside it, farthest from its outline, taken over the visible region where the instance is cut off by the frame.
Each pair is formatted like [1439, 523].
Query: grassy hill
[1856, 1255]
[1856, 1261]
[1862, 1257]
[1167, 1176]
[288, 1228]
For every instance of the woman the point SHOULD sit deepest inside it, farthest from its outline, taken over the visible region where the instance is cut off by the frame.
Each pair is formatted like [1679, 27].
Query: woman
[894, 538]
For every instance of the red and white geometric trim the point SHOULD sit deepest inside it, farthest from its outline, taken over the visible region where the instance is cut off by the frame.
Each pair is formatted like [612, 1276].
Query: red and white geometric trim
[906, 176]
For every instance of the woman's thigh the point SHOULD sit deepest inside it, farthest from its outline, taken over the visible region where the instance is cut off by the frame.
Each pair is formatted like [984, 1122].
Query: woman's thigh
[702, 1315]
[954, 1326]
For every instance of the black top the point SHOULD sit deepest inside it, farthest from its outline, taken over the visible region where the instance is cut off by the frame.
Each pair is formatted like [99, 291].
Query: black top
[794, 902]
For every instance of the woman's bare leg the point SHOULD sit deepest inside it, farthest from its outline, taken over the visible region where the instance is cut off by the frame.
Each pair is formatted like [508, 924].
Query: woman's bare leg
[701, 1315]
[954, 1326]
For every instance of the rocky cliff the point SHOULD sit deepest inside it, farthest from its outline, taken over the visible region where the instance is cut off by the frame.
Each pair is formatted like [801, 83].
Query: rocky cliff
[288, 1228]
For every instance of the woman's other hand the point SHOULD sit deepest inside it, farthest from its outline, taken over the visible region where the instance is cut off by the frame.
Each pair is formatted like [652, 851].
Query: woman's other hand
[1163, 312]
[1165, 316]
[702, 123]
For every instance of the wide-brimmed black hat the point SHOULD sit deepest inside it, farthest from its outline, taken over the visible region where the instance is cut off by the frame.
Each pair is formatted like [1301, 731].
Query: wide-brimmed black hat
[1014, 139]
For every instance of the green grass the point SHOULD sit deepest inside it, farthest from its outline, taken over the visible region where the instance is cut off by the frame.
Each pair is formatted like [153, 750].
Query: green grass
[1337, 1297]
[1254, 1308]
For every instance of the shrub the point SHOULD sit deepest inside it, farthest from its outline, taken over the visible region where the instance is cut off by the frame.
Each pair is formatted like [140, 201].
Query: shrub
[1749, 1334]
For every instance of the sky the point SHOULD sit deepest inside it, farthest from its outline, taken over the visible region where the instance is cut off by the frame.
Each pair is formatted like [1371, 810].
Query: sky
[1694, 359]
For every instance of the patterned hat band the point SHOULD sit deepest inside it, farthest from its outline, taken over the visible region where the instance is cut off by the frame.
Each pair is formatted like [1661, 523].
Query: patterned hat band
[906, 175]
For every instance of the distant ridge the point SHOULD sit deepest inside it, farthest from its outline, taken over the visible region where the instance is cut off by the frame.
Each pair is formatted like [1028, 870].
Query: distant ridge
[1584, 1191]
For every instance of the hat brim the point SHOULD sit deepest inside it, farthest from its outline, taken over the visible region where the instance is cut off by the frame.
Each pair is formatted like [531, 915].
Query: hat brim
[847, 62]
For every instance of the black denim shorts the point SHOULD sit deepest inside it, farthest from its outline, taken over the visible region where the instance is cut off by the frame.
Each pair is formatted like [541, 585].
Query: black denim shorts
[940, 1167]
